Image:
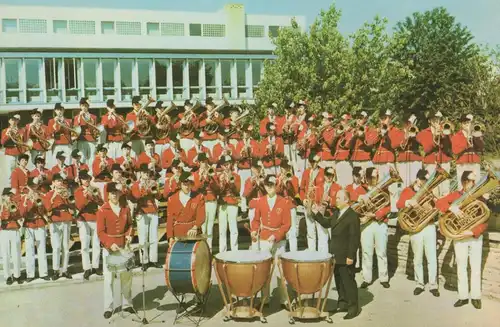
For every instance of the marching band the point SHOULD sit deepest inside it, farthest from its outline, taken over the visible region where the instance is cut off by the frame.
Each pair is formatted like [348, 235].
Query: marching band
[112, 175]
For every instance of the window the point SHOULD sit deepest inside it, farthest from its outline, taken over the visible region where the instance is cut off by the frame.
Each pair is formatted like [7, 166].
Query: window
[126, 66]
[273, 31]
[60, 26]
[9, 25]
[108, 78]
[82, 27]
[71, 79]
[210, 72]
[226, 77]
[108, 28]
[144, 68]
[214, 30]
[153, 28]
[90, 78]
[172, 29]
[161, 72]
[194, 78]
[32, 26]
[12, 80]
[128, 28]
[52, 79]
[33, 80]
[254, 30]
[241, 67]
[178, 79]
[256, 73]
[195, 29]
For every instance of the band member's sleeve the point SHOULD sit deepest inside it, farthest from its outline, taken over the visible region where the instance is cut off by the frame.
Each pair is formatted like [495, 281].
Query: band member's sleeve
[101, 230]
[135, 191]
[262, 129]
[129, 226]
[96, 167]
[304, 183]
[406, 194]
[47, 201]
[459, 143]
[5, 138]
[354, 236]
[200, 212]
[256, 219]
[479, 230]
[80, 200]
[444, 203]
[382, 213]
[397, 137]
[286, 220]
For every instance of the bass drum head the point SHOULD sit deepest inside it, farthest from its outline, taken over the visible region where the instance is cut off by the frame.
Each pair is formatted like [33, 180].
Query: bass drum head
[307, 256]
[244, 256]
[202, 269]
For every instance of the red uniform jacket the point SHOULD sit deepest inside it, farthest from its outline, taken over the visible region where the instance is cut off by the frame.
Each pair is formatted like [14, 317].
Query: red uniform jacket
[11, 149]
[171, 186]
[361, 145]
[290, 190]
[169, 155]
[275, 221]
[202, 123]
[355, 191]
[59, 207]
[409, 151]
[47, 179]
[406, 195]
[208, 187]
[386, 145]
[289, 129]
[61, 135]
[227, 125]
[328, 136]
[194, 123]
[19, 179]
[132, 116]
[272, 157]
[219, 149]
[192, 154]
[304, 183]
[230, 192]
[443, 204]
[72, 170]
[465, 152]
[342, 150]
[113, 128]
[129, 173]
[434, 153]
[112, 229]
[86, 134]
[86, 205]
[181, 219]
[245, 159]
[34, 215]
[10, 219]
[278, 122]
[97, 170]
[252, 192]
[305, 143]
[36, 142]
[146, 159]
[145, 200]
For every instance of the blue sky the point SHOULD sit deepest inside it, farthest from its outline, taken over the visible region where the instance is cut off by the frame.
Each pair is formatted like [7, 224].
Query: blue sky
[481, 16]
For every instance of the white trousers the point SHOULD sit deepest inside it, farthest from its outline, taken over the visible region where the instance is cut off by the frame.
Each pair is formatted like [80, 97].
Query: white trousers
[383, 170]
[443, 188]
[210, 144]
[88, 233]
[469, 250]
[244, 175]
[50, 159]
[408, 171]
[291, 154]
[474, 167]
[424, 242]
[138, 147]
[88, 151]
[11, 251]
[274, 170]
[251, 215]
[228, 215]
[208, 226]
[159, 148]
[147, 228]
[186, 144]
[316, 232]
[36, 237]
[293, 233]
[59, 240]
[114, 150]
[327, 164]
[362, 164]
[344, 173]
[301, 167]
[276, 249]
[124, 287]
[374, 238]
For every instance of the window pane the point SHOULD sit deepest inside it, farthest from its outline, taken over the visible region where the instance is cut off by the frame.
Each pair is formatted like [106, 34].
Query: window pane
[177, 72]
[161, 67]
[143, 66]
[195, 29]
[90, 72]
[60, 26]
[71, 73]
[9, 25]
[241, 72]
[256, 71]
[153, 28]
[108, 72]
[126, 72]
[33, 73]
[226, 72]
[194, 71]
[108, 27]
[52, 73]
[273, 31]
[12, 70]
[210, 69]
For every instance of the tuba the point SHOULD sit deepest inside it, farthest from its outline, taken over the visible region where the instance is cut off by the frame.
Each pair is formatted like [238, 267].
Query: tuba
[214, 127]
[475, 211]
[164, 120]
[234, 129]
[413, 220]
[379, 196]
[142, 122]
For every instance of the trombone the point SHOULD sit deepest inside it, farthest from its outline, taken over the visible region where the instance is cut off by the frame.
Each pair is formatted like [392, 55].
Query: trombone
[75, 132]
[96, 129]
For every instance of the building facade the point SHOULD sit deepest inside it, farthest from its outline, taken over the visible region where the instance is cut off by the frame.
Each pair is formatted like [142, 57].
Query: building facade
[58, 54]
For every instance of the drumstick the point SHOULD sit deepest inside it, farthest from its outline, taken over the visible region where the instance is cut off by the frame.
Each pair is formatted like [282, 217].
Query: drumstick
[247, 226]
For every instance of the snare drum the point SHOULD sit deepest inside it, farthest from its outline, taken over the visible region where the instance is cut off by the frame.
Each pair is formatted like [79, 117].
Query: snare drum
[244, 272]
[188, 267]
[122, 261]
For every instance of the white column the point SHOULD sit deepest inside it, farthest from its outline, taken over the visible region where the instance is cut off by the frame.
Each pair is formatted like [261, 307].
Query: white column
[22, 82]
[135, 77]
[202, 80]
[118, 84]
[234, 80]
[99, 83]
[3, 87]
[185, 80]
[249, 79]
[170, 81]
[218, 79]
[152, 78]
[62, 80]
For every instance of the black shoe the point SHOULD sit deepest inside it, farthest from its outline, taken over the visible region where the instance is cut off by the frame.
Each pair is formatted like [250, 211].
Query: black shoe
[352, 315]
[284, 306]
[476, 304]
[29, 280]
[87, 274]
[19, 280]
[98, 271]
[155, 265]
[66, 275]
[460, 303]
[107, 314]
[9, 280]
[385, 284]
[364, 285]
[47, 278]
[145, 266]
[418, 291]
[56, 275]
[435, 292]
[130, 310]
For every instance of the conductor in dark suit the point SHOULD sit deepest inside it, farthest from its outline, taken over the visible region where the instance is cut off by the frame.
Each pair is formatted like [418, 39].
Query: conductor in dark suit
[344, 242]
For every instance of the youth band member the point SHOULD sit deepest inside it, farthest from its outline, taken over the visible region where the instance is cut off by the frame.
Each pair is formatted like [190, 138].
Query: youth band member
[145, 193]
[409, 160]
[374, 233]
[138, 116]
[41, 175]
[254, 187]
[186, 124]
[186, 210]
[60, 166]
[89, 136]
[127, 163]
[272, 150]
[387, 140]
[326, 138]
[289, 133]
[209, 122]
[467, 250]
[10, 236]
[35, 223]
[271, 118]
[114, 229]
[20, 175]
[150, 159]
[59, 129]
[38, 133]
[114, 126]
[73, 171]
[362, 141]
[162, 126]
[344, 228]
[12, 149]
[229, 185]
[61, 212]
[341, 151]
[88, 200]
[287, 186]
[245, 150]
[423, 242]
[358, 186]
[269, 228]
[101, 167]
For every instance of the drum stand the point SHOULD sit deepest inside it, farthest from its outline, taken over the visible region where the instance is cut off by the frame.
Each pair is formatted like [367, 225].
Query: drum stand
[184, 310]
[113, 317]
[305, 312]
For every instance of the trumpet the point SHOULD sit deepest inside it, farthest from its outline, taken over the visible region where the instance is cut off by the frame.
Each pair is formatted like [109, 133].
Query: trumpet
[447, 127]
[127, 126]
[211, 171]
[13, 207]
[75, 132]
[478, 130]
[96, 130]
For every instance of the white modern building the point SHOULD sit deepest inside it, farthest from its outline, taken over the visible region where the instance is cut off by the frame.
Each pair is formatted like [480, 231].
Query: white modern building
[60, 54]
